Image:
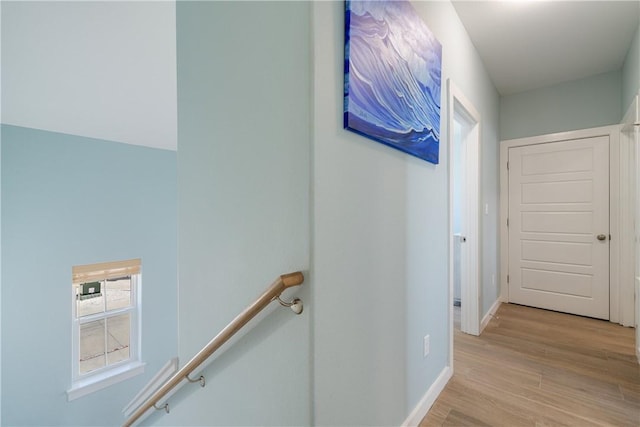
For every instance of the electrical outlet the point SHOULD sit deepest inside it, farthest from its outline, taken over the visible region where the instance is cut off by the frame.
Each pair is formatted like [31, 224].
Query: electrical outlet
[426, 345]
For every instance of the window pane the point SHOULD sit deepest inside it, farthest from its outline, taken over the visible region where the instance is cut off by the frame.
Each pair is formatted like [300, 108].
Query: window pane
[92, 346]
[118, 293]
[90, 298]
[118, 328]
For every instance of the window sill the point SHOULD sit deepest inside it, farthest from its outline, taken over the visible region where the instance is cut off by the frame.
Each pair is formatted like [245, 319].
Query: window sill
[97, 382]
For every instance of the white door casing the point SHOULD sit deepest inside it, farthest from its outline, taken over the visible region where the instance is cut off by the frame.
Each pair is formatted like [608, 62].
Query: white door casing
[461, 108]
[630, 254]
[559, 226]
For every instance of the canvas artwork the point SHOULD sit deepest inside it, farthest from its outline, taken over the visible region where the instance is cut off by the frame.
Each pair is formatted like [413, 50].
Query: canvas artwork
[392, 77]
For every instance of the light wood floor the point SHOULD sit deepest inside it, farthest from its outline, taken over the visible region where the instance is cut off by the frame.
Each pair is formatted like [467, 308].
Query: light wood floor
[534, 367]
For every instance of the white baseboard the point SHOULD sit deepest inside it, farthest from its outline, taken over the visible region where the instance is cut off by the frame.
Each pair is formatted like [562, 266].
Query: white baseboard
[429, 398]
[637, 318]
[490, 313]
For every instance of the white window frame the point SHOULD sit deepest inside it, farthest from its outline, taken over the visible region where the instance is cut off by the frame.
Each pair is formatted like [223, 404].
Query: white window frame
[89, 382]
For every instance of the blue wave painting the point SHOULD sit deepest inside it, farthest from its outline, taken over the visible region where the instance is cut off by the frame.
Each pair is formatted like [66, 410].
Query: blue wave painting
[392, 77]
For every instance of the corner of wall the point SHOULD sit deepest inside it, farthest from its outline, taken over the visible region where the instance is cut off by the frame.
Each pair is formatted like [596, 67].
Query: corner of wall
[422, 408]
[492, 311]
[631, 72]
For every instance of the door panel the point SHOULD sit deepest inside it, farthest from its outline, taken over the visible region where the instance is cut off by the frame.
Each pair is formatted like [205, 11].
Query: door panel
[557, 222]
[559, 161]
[558, 205]
[552, 281]
[557, 192]
[557, 252]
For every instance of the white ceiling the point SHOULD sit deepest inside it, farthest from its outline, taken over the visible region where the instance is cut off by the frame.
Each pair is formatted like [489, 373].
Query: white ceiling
[531, 44]
[108, 69]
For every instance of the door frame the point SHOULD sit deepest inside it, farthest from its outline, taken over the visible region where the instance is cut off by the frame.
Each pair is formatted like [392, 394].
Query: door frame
[630, 144]
[619, 303]
[458, 104]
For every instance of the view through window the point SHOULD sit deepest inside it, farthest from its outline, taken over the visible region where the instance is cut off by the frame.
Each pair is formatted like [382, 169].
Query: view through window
[105, 313]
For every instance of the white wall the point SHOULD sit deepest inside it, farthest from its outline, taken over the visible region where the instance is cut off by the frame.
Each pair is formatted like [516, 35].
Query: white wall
[585, 103]
[97, 69]
[380, 238]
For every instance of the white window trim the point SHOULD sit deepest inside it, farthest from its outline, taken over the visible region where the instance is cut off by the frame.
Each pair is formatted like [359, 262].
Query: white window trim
[105, 379]
[84, 384]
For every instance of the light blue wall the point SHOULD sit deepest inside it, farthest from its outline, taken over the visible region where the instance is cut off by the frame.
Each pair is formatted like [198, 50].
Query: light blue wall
[243, 196]
[463, 65]
[631, 72]
[380, 238]
[69, 200]
[0, 271]
[585, 103]
[0, 223]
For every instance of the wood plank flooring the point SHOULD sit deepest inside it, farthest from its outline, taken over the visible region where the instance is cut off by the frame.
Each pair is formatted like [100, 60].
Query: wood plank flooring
[534, 367]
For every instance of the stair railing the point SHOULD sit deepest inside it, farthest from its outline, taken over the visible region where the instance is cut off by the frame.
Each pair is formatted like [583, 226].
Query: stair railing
[272, 293]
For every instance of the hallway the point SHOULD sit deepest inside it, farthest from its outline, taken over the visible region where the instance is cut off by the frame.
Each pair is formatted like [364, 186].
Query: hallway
[534, 367]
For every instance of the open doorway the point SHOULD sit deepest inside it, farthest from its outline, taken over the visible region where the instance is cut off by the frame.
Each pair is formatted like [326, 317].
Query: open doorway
[464, 212]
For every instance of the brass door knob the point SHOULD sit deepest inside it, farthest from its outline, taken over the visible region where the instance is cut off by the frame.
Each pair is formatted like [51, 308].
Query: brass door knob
[602, 237]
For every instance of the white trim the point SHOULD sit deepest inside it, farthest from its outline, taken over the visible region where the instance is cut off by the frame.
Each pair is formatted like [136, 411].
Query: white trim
[429, 398]
[561, 136]
[169, 368]
[102, 377]
[626, 241]
[632, 116]
[613, 132]
[502, 226]
[487, 317]
[616, 303]
[98, 382]
[470, 283]
[629, 193]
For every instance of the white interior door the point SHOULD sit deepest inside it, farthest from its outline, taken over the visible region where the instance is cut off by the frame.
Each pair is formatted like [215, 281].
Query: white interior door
[464, 174]
[559, 226]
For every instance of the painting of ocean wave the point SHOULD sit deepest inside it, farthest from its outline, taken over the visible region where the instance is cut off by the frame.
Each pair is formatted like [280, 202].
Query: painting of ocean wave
[392, 77]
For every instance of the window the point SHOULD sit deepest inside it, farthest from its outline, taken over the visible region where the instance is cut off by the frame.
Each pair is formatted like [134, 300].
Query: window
[105, 324]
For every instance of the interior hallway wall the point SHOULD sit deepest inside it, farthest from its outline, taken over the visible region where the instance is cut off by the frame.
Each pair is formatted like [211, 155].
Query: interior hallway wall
[585, 103]
[69, 200]
[463, 65]
[380, 237]
[0, 215]
[243, 197]
[631, 73]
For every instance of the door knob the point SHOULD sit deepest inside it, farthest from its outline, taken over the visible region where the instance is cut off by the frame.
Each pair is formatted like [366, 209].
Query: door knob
[463, 239]
[602, 237]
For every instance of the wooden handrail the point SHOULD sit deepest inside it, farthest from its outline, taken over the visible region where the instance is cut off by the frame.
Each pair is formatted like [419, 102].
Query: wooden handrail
[277, 287]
